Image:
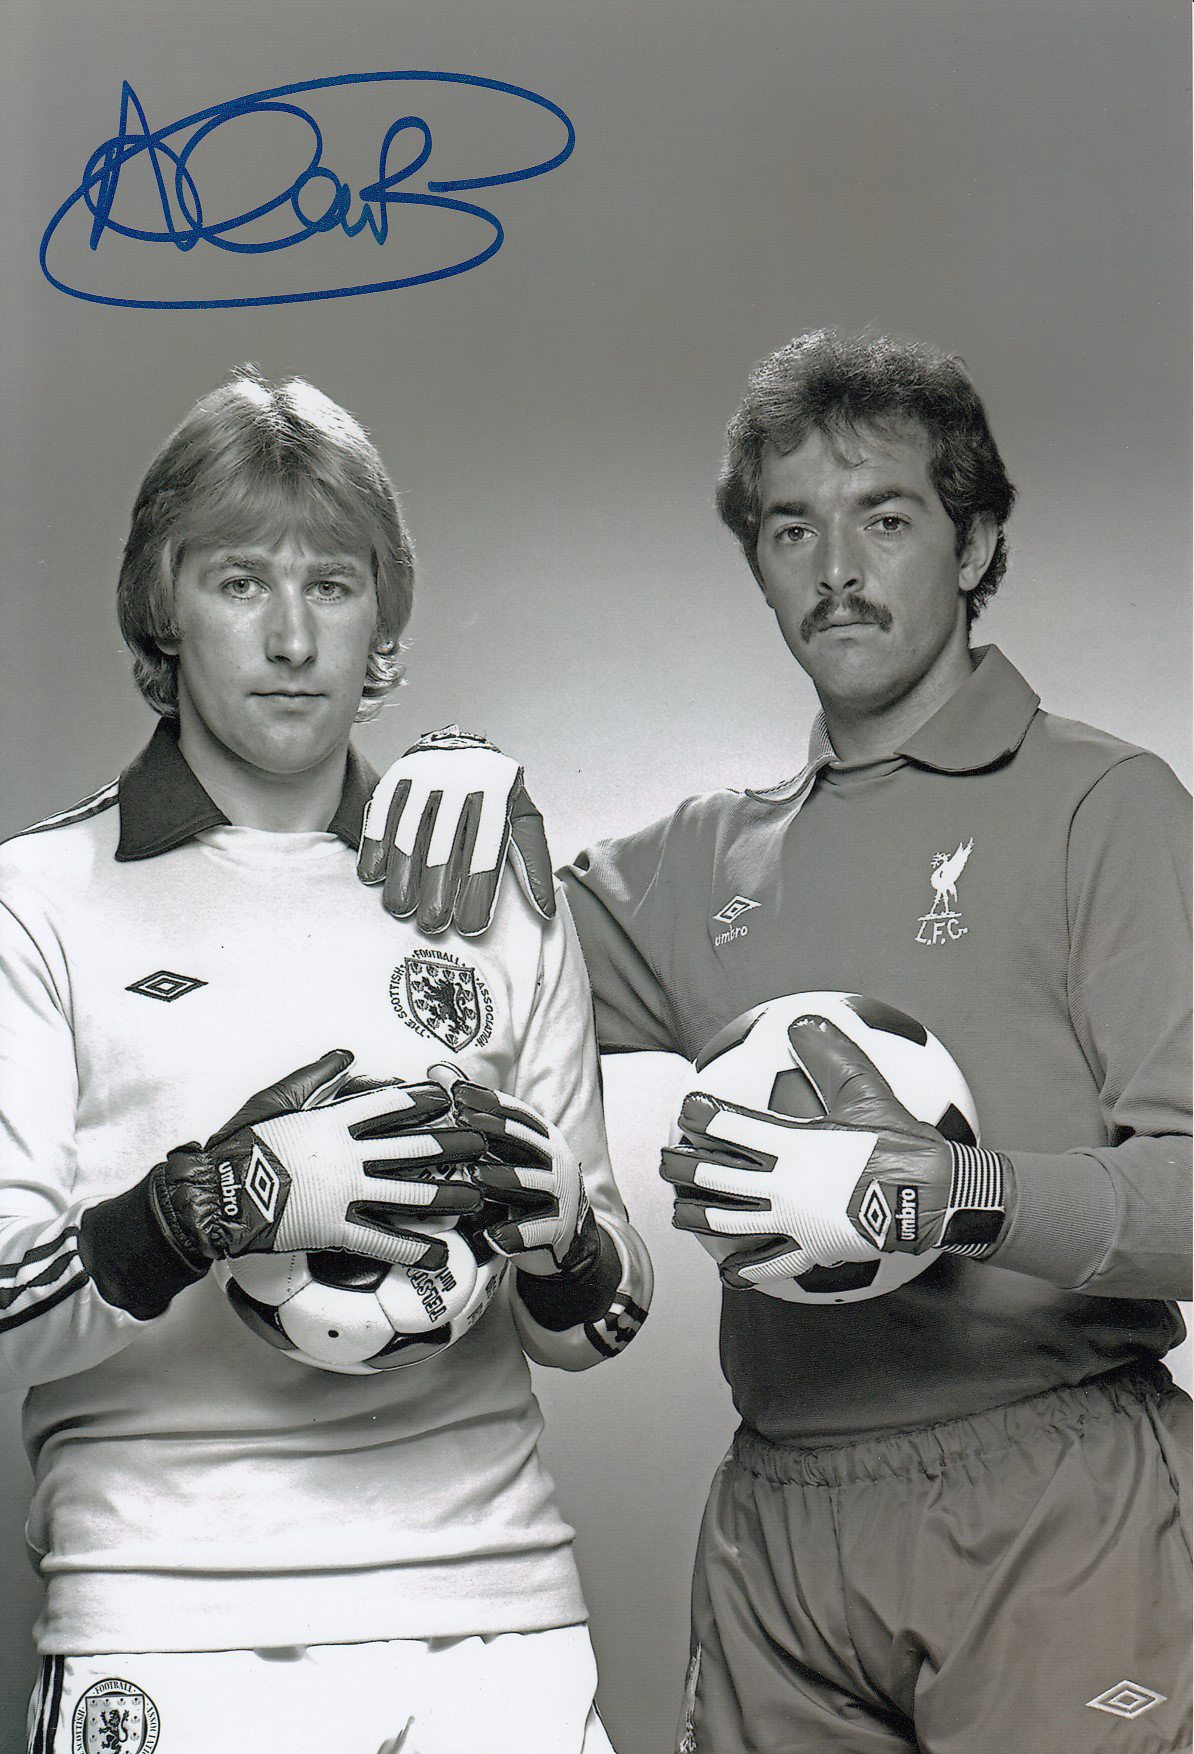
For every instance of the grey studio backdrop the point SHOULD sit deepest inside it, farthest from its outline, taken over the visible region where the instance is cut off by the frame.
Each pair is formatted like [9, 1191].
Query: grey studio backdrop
[1009, 181]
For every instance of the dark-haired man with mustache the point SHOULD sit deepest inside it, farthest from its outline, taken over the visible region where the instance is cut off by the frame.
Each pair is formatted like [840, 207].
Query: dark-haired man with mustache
[952, 1518]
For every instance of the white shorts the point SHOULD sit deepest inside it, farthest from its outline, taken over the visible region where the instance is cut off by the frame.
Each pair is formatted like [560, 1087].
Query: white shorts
[512, 1693]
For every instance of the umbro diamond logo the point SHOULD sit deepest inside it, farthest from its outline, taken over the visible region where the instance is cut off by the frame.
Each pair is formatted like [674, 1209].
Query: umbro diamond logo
[263, 1184]
[1126, 1699]
[741, 904]
[875, 1215]
[165, 985]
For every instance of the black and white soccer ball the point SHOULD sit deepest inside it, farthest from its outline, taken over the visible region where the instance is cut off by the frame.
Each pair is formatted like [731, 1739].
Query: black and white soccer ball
[750, 1062]
[354, 1315]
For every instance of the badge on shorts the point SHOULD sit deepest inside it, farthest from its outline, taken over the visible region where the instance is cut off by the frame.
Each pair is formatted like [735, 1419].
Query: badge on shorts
[115, 1717]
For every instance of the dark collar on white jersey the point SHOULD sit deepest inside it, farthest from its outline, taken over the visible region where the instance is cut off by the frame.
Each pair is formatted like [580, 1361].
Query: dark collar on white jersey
[162, 804]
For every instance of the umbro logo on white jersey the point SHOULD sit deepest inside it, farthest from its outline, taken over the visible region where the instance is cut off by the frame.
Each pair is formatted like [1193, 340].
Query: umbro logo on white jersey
[165, 985]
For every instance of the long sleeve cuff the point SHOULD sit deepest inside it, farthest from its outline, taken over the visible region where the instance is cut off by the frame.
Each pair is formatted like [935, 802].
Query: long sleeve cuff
[564, 1300]
[128, 1256]
[1062, 1219]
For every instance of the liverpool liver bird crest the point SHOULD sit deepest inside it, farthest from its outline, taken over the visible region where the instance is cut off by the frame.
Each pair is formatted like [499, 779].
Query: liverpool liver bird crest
[947, 868]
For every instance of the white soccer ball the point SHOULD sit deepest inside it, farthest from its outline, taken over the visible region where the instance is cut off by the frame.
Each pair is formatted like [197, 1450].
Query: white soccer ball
[750, 1062]
[355, 1315]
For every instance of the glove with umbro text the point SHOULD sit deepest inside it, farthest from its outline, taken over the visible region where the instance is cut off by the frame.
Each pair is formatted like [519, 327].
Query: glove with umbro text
[312, 1162]
[441, 823]
[865, 1179]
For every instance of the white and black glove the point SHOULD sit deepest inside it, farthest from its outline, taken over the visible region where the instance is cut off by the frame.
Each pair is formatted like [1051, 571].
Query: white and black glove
[537, 1210]
[312, 1162]
[865, 1179]
[440, 825]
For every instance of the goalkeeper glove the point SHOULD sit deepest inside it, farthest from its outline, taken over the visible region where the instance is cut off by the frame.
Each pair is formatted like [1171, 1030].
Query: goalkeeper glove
[303, 1165]
[440, 824]
[538, 1211]
[536, 1207]
[867, 1179]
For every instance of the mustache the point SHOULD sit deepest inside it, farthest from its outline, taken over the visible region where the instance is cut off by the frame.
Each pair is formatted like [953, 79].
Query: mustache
[857, 608]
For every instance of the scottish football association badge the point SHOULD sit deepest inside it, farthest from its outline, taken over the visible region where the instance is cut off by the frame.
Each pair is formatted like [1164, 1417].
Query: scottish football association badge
[115, 1717]
[943, 923]
[440, 996]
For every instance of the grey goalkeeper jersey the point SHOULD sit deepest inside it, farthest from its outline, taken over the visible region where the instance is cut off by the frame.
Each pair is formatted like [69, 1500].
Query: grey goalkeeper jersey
[1051, 956]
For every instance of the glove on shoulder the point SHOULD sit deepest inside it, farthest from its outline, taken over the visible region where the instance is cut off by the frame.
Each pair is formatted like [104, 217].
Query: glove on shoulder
[442, 821]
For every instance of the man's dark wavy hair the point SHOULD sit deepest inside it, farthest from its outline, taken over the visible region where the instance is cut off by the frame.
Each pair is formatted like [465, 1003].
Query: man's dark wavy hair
[842, 385]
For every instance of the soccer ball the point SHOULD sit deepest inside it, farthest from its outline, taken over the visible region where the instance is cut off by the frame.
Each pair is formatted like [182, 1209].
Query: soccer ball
[355, 1315]
[750, 1062]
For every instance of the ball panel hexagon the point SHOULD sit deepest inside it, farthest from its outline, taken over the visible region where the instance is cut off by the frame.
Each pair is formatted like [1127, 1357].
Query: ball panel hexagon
[271, 1278]
[260, 1318]
[333, 1325]
[351, 1272]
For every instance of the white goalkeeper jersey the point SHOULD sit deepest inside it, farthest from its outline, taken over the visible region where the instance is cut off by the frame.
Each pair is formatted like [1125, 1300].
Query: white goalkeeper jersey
[194, 1489]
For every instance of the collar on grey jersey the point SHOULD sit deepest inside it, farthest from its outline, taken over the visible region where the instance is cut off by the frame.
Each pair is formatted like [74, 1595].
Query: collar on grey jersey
[795, 791]
[162, 804]
[984, 720]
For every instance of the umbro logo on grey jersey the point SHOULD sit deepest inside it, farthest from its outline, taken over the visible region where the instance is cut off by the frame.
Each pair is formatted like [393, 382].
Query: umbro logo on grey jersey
[728, 916]
[741, 904]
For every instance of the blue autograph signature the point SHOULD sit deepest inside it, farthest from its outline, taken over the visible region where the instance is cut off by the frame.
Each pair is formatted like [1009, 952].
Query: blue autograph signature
[319, 200]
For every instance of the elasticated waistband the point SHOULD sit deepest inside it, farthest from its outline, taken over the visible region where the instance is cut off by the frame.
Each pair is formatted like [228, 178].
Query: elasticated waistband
[930, 1449]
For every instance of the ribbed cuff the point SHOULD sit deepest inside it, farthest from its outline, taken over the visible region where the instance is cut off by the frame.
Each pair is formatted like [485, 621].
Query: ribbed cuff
[978, 1196]
[564, 1300]
[133, 1264]
[1062, 1218]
